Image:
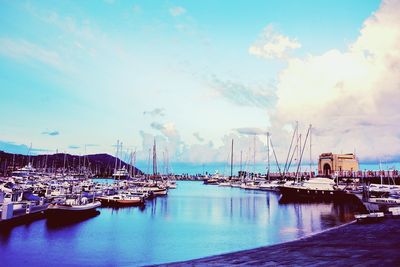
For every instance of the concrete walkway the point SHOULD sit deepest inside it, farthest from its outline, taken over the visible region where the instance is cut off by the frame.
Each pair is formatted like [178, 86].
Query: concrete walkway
[375, 244]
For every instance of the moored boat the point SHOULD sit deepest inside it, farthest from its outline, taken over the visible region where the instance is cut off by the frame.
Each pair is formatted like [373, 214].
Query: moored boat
[121, 200]
[323, 189]
[72, 207]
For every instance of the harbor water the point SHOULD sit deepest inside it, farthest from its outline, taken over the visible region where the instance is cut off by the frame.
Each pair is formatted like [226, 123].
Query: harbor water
[193, 221]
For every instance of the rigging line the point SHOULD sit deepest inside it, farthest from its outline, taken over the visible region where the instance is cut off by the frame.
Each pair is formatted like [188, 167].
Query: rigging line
[276, 159]
[290, 147]
[302, 151]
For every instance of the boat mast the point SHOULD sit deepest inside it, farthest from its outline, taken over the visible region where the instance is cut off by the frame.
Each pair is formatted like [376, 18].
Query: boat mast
[310, 152]
[301, 154]
[120, 156]
[13, 163]
[134, 163]
[154, 158]
[254, 156]
[164, 161]
[84, 158]
[116, 158]
[130, 164]
[65, 157]
[241, 160]
[290, 150]
[148, 163]
[300, 150]
[29, 154]
[276, 158]
[268, 162]
[167, 157]
[232, 159]
[298, 145]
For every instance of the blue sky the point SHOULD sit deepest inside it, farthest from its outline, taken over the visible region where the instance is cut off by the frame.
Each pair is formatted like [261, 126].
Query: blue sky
[193, 74]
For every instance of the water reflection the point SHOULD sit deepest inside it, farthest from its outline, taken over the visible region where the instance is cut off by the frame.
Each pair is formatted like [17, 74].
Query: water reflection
[192, 221]
[68, 220]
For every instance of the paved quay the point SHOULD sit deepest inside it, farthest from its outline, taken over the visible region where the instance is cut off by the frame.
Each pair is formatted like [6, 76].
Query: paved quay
[372, 244]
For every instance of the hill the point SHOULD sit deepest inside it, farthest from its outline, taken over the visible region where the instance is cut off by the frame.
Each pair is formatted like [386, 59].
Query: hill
[102, 165]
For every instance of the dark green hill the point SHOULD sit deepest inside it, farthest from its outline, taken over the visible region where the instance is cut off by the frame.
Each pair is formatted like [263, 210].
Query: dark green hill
[102, 165]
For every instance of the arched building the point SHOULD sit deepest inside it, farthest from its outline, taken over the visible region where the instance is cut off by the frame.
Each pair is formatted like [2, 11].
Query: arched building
[329, 163]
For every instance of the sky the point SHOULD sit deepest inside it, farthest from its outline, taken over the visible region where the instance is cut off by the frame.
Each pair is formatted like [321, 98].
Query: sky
[76, 76]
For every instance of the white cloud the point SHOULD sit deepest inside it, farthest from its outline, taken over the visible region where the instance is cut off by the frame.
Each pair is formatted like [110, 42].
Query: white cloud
[351, 97]
[271, 44]
[251, 131]
[155, 112]
[244, 95]
[177, 11]
[26, 51]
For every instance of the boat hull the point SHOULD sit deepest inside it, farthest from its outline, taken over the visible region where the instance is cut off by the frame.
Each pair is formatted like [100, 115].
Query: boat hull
[120, 202]
[293, 193]
[210, 181]
[57, 210]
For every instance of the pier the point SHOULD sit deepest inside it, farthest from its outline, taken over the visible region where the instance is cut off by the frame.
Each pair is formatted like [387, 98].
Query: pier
[348, 245]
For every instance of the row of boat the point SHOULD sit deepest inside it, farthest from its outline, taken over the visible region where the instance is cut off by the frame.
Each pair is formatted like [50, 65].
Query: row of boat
[375, 197]
[25, 196]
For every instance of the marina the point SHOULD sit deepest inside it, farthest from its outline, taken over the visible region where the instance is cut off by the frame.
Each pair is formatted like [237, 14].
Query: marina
[173, 228]
[199, 133]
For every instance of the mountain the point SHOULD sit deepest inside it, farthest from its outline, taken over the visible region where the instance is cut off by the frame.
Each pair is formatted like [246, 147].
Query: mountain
[102, 165]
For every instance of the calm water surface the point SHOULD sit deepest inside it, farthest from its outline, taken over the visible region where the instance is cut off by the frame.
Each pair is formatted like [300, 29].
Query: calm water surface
[194, 220]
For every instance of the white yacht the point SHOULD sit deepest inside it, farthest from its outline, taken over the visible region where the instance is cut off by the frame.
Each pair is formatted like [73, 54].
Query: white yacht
[121, 174]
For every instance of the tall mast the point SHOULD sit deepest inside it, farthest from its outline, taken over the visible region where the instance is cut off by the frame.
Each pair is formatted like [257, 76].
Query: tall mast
[298, 146]
[254, 155]
[164, 167]
[154, 158]
[300, 150]
[167, 168]
[29, 154]
[134, 163]
[310, 152]
[232, 159]
[65, 157]
[148, 163]
[130, 164]
[84, 159]
[301, 153]
[287, 163]
[120, 161]
[241, 160]
[13, 164]
[116, 158]
[268, 161]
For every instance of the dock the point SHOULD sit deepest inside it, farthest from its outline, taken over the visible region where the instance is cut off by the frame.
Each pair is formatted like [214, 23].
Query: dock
[354, 244]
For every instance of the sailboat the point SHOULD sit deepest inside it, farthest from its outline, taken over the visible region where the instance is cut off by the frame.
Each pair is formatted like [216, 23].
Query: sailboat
[120, 172]
[324, 189]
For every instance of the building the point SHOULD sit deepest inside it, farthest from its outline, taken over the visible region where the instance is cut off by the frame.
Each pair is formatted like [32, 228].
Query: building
[329, 163]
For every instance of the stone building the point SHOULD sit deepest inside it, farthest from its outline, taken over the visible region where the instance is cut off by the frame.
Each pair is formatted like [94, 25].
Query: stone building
[329, 163]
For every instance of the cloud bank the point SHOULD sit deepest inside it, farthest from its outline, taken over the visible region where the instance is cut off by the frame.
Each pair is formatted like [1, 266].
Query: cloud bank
[350, 97]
